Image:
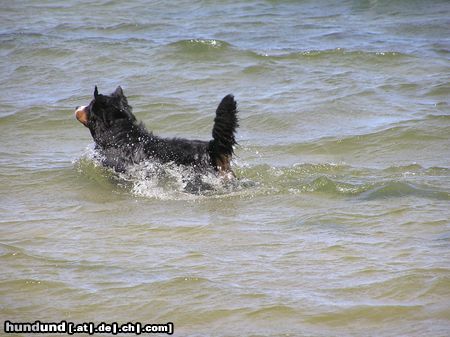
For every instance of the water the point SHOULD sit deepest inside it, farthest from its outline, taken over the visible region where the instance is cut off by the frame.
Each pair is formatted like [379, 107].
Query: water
[339, 223]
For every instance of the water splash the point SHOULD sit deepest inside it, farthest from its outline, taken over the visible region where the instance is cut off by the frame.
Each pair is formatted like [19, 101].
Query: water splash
[167, 181]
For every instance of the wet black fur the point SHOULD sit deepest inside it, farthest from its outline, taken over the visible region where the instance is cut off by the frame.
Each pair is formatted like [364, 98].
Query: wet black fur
[123, 140]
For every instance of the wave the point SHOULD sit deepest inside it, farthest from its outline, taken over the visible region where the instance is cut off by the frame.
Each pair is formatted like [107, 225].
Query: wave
[347, 181]
[131, 33]
[172, 182]
[399, 136]
[337, 54]
[201, 44]
[403, 189]
[369, 313]
[219, 47]
[199, 49]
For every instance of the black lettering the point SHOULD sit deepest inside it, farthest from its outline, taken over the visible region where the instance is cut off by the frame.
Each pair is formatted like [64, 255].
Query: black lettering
[90, 328]
[138, 328]
[104, 328]
[70, 328]
[114, 328]
[8, 327]
[171, 328]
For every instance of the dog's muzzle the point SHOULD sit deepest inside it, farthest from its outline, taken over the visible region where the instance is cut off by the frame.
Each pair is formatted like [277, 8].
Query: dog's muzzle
[82, 114]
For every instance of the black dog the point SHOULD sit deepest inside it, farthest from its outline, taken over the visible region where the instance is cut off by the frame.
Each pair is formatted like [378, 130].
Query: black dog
[123, 141]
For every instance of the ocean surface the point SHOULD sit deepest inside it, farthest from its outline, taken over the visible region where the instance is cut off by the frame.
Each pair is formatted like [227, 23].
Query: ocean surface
[339, 221]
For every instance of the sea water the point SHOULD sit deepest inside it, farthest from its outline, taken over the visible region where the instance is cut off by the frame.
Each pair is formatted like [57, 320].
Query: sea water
[339, 220]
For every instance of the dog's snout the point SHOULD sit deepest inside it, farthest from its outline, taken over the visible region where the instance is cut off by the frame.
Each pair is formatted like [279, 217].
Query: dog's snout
[82, 114]
[76, 108]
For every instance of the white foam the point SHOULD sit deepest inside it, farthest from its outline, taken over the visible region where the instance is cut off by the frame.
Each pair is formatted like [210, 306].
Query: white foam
[169, 181]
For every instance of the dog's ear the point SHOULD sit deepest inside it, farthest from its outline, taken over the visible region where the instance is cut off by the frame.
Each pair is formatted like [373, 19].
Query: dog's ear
[95, 92]
[118, 92]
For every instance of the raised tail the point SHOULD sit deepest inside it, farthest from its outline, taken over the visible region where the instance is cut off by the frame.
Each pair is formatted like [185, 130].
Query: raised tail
[225, 125]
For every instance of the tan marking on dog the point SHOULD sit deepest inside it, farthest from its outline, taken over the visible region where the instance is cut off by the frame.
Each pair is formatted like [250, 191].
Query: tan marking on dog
[224, 166]
[82, 115]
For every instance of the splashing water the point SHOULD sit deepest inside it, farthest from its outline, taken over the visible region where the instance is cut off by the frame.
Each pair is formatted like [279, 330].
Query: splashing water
[166, 181]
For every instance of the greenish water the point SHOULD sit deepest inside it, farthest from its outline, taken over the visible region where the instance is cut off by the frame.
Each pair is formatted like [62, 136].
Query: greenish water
[339, 222]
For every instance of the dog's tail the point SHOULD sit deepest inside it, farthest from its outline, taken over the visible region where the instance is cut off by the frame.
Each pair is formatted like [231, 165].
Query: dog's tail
[225, 125]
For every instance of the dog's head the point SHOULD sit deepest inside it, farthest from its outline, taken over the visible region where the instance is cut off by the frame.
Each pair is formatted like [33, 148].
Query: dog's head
[104, 111]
